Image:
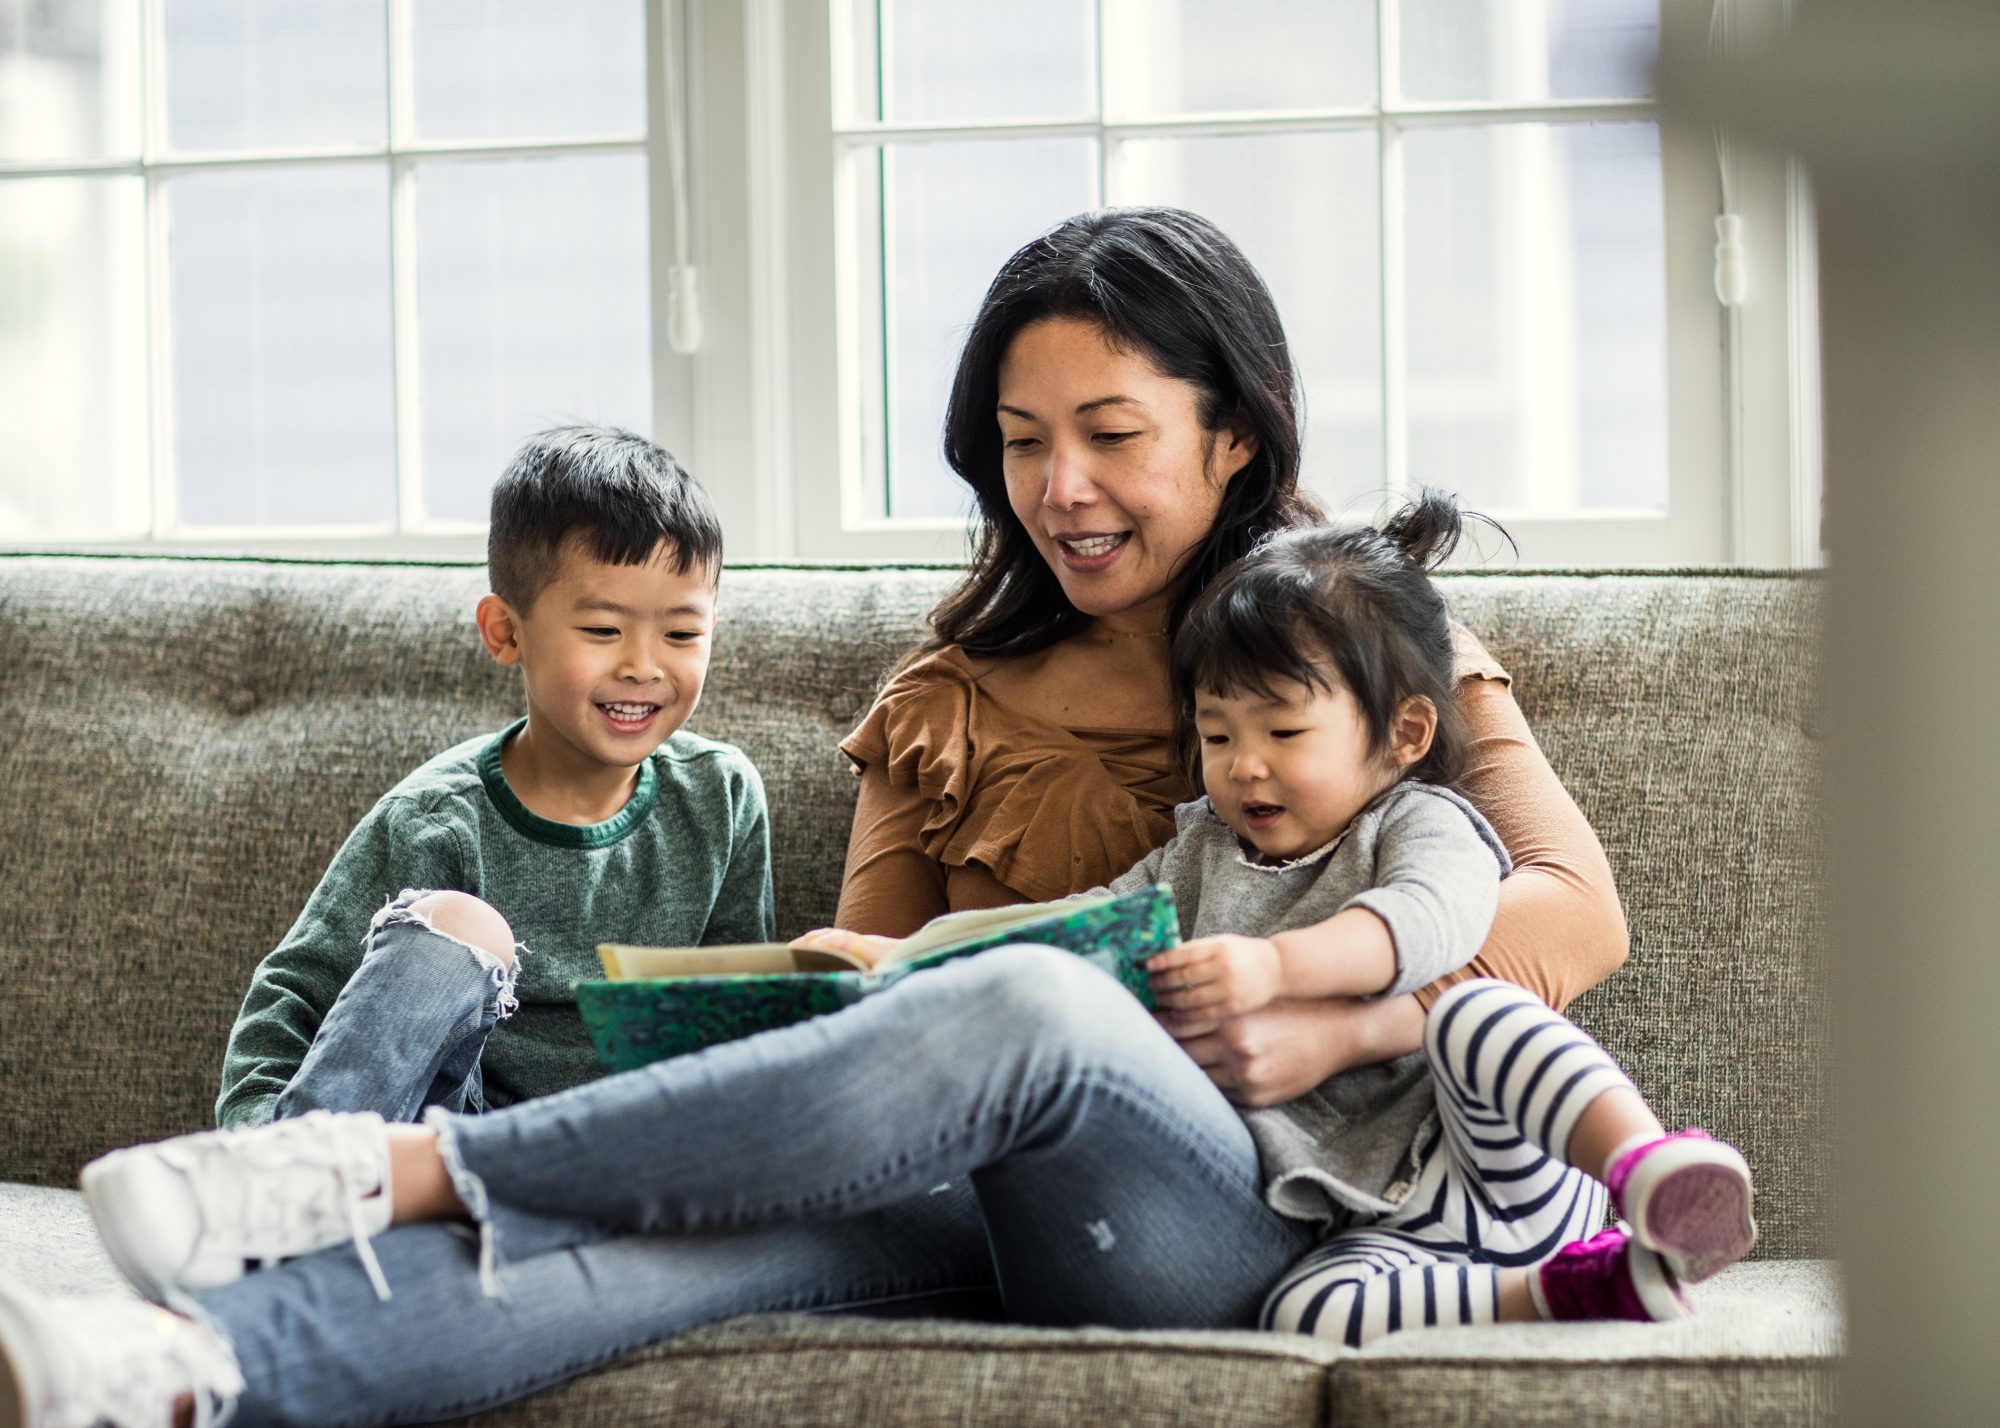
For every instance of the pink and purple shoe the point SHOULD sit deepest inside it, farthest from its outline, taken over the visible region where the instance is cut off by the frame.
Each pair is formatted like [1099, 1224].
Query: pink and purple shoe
[1687, 1197]
[1608, 1276]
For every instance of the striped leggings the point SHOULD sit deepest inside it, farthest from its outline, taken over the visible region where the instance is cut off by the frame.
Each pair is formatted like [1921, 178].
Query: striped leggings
[1512, 1078]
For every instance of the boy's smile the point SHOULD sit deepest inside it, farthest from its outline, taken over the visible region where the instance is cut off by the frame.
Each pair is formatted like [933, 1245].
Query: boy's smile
[613, 658]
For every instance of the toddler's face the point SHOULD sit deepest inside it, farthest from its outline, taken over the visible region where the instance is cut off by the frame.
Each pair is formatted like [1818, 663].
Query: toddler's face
[614, 656]
[1289, 773]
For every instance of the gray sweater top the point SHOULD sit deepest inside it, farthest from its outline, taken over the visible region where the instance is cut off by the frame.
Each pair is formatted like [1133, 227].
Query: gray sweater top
[1429, 865]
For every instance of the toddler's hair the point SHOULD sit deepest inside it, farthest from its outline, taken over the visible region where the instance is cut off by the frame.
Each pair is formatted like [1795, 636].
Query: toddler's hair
[616, 494]
[1320, 605]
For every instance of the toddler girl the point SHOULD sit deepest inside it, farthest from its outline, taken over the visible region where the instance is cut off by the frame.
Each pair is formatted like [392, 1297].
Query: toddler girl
[1464, 1183]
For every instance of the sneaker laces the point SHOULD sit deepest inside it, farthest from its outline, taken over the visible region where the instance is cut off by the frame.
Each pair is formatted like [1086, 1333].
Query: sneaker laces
[293, 1186]
[133, 1365]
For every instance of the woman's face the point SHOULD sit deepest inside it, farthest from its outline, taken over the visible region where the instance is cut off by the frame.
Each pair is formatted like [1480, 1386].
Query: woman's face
[1108, 466]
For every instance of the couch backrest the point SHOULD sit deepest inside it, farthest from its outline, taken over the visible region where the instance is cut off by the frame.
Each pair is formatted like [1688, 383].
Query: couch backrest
[183, 744]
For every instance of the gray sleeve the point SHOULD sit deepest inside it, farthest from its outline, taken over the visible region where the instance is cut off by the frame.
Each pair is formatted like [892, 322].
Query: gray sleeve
[1437, 885]
[745, 910]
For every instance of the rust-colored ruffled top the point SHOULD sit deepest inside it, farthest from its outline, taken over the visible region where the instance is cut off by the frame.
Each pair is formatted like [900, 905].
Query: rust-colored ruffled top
[968, 801]
[1043, 809]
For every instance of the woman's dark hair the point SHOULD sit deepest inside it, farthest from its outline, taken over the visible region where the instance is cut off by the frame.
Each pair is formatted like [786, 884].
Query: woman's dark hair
[1169, 285]
[1323, 604]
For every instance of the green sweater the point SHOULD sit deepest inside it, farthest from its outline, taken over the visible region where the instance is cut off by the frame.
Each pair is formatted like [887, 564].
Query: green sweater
[686, 861]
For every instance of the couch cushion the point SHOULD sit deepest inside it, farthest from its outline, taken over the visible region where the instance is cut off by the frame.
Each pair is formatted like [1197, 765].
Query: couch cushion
[1761, 1351]
[187, 742]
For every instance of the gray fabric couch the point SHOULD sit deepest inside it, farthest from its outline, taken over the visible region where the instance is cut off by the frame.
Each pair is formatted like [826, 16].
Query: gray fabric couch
[183, 743]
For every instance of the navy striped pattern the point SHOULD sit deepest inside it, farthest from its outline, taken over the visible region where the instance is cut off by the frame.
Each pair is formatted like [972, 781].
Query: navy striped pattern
[1512, 1078]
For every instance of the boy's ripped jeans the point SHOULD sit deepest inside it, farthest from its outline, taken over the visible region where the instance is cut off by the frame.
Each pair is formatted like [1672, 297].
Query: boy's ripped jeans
[407, 1030]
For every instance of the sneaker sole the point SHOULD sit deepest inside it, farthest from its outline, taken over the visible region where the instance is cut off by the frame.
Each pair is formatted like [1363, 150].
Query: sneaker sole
[1657, 1286]
[1697, 1216]
[93, 1182]
[18, 1388]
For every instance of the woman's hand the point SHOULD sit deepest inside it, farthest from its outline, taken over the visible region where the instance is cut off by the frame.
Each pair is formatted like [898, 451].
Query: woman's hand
[1284, 1049]
[865, 947]
[1222, 976]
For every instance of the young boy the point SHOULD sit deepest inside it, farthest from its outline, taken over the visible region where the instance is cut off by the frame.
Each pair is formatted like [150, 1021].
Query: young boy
[432, 965]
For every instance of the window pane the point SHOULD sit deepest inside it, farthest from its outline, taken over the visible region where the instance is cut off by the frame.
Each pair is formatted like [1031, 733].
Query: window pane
[72, 359]
[1523, 51]
[69, 80]
[1205, 56]
[532, 282]
[1537, 315]
[1319, 253]
[496, 69]
[954, 213]
[260, 76]
[949, 61]
[281, 348]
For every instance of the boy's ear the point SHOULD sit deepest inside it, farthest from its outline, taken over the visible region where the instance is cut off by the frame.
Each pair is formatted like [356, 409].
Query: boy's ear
[1411, 729]
[499, 629]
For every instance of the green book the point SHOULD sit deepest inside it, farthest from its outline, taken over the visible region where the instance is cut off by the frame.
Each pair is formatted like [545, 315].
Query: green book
[656, 1002]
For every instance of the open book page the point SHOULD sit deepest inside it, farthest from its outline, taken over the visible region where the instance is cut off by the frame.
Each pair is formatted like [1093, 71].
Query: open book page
[624, 963]
[828, 950]
[976, 924]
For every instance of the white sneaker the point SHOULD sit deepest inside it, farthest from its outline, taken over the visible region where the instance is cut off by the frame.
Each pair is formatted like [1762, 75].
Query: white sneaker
[73, 1363]
[191, 1213]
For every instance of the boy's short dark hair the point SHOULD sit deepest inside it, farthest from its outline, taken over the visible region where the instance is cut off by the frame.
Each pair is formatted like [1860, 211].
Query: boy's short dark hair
[616, 493]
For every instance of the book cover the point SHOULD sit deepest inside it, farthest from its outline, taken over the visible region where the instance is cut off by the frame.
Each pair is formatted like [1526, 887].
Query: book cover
[637, 1015]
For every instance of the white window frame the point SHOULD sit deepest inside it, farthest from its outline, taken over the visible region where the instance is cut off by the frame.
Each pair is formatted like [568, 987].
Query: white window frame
[1743, 469]
[410, 533]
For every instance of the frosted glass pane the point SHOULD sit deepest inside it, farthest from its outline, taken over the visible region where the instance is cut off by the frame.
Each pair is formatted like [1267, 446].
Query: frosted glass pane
[283, 407]
[532, 284]
[1167, 57]
[955, 212]
[69, 80]
[1537, 316]
[1319, 253]
[497, 69]
[1522, 51]
[948, 61]
[72, 359]
[248, 75]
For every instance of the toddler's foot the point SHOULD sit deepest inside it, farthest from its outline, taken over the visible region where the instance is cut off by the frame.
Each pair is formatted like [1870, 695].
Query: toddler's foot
[193, 1212]
[1688, 1197]
[1607, 1276]
[72, 1363]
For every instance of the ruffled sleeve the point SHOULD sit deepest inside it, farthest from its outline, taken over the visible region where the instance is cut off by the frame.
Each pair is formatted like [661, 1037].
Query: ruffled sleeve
[1021, 800]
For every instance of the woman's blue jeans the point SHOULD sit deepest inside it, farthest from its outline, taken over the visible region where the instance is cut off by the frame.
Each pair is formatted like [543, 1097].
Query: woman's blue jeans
[1008, 1136]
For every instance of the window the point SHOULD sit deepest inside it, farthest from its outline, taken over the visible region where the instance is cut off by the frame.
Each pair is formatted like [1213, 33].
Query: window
[303, 275]
[299, 276]
[1495, 272]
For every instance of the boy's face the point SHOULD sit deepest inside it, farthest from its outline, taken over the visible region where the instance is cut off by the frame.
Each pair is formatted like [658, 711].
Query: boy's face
[613, 656]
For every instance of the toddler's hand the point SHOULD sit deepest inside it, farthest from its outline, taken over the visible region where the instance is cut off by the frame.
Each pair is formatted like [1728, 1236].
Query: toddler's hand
[1222, 976]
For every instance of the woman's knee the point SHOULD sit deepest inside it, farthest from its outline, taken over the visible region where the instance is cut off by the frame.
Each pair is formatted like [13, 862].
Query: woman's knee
[465, 918]
[1030, 985]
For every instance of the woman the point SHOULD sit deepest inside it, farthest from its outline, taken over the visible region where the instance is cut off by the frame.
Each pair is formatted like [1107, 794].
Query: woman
[962, 1143]
[1026, 753]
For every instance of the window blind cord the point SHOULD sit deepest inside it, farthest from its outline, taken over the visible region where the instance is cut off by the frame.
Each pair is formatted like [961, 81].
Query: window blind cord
[1732, 275]
[683, 279]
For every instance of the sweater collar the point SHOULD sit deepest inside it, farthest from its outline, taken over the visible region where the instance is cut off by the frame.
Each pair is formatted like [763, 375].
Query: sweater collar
[530, 824]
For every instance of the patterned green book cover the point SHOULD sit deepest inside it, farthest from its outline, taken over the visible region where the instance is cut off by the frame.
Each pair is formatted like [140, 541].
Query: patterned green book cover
[642, 1020]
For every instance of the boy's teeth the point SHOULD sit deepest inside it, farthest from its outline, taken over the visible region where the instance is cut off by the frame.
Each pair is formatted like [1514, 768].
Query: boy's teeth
[629, 712]
[1096, 545]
